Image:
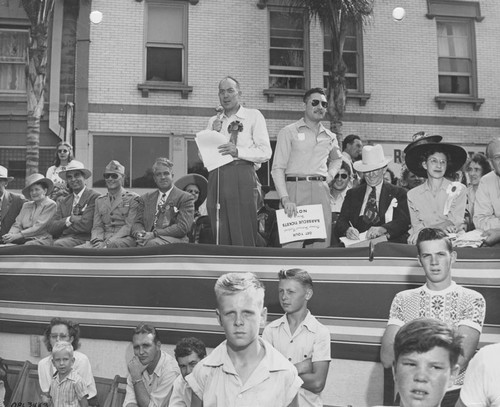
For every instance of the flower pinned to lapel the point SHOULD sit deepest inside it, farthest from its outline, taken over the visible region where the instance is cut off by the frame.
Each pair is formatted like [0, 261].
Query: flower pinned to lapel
[168, 206]
[453, 191]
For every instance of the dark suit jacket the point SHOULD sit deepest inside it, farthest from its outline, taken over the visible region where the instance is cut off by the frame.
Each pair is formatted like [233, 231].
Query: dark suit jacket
[177, 218]
[10, 208]
[81, 228]
[397, 228]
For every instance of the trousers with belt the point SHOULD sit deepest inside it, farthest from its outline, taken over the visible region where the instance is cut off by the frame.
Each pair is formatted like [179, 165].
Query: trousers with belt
[311, 193]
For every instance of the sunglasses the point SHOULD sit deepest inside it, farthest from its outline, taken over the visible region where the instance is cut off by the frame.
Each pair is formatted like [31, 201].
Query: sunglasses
[343, 176]
[63, 151]
[193, 191]
[316, 102]
[112, 175]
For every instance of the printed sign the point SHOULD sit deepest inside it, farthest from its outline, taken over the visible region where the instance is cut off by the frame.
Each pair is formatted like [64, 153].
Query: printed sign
[308, 224]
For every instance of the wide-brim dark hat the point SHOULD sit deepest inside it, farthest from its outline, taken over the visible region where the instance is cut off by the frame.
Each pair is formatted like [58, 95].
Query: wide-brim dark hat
[198, 180]
[37, 179]
[422, 138]
[413, 157]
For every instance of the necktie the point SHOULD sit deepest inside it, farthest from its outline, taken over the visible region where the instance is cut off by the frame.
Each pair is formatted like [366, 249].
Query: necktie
[159, 207]
[76, 206]
[370, 215]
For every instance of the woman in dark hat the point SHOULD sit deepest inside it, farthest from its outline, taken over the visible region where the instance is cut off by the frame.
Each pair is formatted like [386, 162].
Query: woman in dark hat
[196, 185]
[30, 227]
[438, 202]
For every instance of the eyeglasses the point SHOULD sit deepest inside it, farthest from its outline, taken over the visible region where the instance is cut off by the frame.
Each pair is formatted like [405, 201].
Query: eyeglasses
[316, 102]
[435, 161]
[63, 151]
[193, 191]
[112, 175]
[343, 176]
[60, 336]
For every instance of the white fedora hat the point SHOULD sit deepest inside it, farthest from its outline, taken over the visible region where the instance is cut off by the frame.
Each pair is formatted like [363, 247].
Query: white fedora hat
[75, 165]
[4, 174]
[373, 158]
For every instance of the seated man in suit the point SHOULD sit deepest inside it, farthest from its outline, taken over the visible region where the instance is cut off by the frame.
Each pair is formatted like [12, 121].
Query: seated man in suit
[165, 215]
[10, 203]
[375, 207]
[72, 223]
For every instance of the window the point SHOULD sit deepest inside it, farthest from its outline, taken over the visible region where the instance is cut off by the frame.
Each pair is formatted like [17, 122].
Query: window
[166, 47]
[287, 51]
[456, 64]
[352, 56]
[135, 153]
[13, 54]
[14, 158]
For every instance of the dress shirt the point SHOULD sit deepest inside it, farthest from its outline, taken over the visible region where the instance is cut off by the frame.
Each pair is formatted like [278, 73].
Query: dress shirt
[487, 203]
[300, 151]
[253, 141]
[378, 188]
[76, 199]
[427, 209]
[336, 202]
[158, 384]
[160, 196]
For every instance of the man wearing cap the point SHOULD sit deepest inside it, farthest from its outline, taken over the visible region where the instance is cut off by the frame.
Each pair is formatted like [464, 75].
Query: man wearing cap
[72, 223]
[10, 203]
[487, 203]
[165, 215]
[114, 213]
[306, 158]
[377, 207]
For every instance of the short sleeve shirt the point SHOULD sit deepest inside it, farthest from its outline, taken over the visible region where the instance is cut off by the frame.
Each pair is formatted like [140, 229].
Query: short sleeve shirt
[181, 393]
[273, 383]
[311, 340]
[67, 392]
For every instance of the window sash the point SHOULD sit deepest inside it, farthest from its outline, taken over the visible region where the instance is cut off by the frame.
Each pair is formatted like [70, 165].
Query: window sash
[13, 57]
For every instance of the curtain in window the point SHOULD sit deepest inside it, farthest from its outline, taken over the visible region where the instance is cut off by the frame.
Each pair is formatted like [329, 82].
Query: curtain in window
[13, 51]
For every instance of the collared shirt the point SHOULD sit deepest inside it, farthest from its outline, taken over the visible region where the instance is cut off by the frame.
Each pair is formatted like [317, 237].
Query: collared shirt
[378, 189]
[337, 201]
[274, 382]
[301, 152]
[76, 200]
[167, 193]
[46, 371]
[487, 203]
[427, 209]
[158, 384]
[253, 141]
[482, 381]
[67, 392]
[181, 393]
[311, 340]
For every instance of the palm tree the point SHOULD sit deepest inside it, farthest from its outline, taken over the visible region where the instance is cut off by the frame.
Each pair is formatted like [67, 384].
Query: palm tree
[39, 13]
[335, 16]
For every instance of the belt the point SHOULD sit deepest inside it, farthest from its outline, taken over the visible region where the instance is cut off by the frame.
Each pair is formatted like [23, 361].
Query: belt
[240, 162]
[307, 178]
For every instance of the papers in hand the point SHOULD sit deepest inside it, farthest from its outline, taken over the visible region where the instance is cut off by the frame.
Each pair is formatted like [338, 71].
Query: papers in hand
[362, 241]
[474, 238]
[208, 142]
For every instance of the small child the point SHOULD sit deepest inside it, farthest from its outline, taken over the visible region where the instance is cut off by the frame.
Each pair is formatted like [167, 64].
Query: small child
[299, 336]
[244, 369]
[426, 352]
[188, 353]
[67, 388]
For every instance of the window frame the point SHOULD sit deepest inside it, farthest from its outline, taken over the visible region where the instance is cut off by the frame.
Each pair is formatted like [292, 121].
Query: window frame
[15, 94]
[147, 85]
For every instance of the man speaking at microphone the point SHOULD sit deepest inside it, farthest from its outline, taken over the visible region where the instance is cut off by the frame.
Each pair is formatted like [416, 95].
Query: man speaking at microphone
[236, 184]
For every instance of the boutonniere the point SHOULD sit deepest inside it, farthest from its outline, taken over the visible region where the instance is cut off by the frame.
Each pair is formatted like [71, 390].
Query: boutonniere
[168, 206]
[453, 190]
[235, 126]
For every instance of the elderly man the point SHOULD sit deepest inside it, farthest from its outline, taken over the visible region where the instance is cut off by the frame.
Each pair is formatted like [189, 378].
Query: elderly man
[307, 157]
[235, 185]
[114, 213]
[151, 372]
[165, 215]
[440, 298]
[10, 203]
[72, 223]
[487, 203]
[351, 152]
[377, 207]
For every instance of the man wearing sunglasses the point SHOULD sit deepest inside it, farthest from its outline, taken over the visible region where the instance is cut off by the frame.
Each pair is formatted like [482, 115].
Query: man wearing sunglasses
[115, 212]
[306, 158]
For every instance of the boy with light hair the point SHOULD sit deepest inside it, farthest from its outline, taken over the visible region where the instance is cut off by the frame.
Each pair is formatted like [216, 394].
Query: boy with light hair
[244, 369]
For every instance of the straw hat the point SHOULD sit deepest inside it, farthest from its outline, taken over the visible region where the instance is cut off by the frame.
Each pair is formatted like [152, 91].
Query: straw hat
[37, 179]
[373, 158]
[416, 150]
[199, 180]
[75, 165]
[4, 174]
